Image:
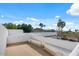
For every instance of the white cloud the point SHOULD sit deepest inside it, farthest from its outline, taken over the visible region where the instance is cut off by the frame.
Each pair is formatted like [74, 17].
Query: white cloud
[49, 27]
[74, 10]
[2, 16]
[57, 17]
[34, 22]
[19, 22]
[71, 25]
[32, 19]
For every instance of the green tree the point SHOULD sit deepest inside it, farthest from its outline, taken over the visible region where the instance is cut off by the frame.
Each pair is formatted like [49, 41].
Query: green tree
[19, 26]
[76, 30]
[24, 27]
[29, 28]
[14, 26]
[60, 26]
[41, 25]
[10, 26]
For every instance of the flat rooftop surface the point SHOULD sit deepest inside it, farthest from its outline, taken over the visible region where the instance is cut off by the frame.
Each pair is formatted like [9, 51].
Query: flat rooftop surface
[25, 50]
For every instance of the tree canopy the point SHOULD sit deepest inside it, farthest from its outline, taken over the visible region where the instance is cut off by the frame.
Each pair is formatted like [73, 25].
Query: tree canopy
[61, 23]
[24, 27]
[42, 25]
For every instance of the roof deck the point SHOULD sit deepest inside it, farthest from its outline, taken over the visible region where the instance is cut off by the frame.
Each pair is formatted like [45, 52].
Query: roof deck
[25, 50]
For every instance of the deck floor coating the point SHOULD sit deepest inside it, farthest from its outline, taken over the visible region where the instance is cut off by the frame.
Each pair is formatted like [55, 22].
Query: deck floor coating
[25, 50]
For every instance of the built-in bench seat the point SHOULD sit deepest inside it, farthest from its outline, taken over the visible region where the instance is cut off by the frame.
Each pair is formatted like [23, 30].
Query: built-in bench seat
[60, 47]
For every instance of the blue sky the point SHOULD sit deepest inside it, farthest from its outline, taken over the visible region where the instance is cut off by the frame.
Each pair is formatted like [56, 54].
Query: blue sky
[34, 13]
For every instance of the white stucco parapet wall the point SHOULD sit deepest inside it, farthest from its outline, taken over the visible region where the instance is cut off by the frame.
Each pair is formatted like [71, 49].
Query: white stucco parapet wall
[12, 32]
[75, 51]
[3, 39]
[17, 36]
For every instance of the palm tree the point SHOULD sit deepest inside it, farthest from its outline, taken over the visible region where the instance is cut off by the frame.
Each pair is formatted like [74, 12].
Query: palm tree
[41, 25]
[60, 26]
[76, 30]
